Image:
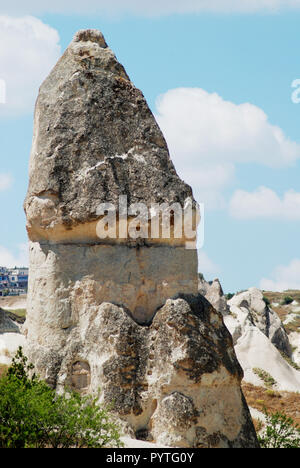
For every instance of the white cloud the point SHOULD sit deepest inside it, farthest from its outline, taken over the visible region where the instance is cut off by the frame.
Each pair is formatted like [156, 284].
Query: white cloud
[265, 203]
[28, 50]
[5, 182]
[144, 7]
[283, 278]
[199, 125]
[10, 259]
[208, 136]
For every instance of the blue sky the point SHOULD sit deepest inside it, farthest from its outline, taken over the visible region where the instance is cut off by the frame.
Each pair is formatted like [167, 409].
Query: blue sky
[219, 84]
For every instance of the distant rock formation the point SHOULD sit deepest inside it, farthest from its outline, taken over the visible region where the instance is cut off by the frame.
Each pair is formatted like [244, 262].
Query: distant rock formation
[213, 292]
[250, 306]
[123, 313]
[260, 341]
[7, 325]
[10, 336]
[259, 337]
[246, 307]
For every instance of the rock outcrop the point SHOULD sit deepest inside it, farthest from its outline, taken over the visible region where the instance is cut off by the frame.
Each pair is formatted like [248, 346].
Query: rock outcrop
[250, 306]
[247, 307]
[121, 313]
[10, 336]
[7, 325]
[260, 341]
[176, 381]
[96, 140]
[213, 292]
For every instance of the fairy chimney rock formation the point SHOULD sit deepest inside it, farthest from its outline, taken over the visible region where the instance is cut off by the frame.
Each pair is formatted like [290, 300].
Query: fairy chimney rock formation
[96, 142]
[112, 300]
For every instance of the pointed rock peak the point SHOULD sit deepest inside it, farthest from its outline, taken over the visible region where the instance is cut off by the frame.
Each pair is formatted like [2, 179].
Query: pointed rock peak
[90, 52]
[95, 140]
[90, 35]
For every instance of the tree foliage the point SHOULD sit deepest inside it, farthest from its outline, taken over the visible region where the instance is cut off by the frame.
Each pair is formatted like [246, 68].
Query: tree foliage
[280, 432]
[32, 415]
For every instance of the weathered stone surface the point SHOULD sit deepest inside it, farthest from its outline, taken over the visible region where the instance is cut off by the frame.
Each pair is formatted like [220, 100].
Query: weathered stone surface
[250, 305]
[7, 325]
[175, 381]
[120, 314]
[213, 292]
[80, 376]
[10, 336]
[67, 279]
[95, 138]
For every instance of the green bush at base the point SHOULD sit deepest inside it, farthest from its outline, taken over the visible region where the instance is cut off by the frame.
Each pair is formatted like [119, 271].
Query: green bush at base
[32, 415]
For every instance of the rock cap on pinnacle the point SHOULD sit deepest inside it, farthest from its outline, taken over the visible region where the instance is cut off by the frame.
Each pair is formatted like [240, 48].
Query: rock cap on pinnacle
[95, 139]
[90, 35]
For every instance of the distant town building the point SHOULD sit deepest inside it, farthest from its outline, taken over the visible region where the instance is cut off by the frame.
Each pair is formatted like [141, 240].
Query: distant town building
[13, 281]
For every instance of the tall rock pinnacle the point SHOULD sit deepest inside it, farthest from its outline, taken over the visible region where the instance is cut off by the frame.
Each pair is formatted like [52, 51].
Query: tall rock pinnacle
[95, 139]
[112, 300]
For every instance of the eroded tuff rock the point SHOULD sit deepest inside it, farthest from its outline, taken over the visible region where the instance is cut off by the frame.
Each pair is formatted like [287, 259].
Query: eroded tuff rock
[250, 307]
[213, 292]
[260, 340]
[10, 336]
[176, 381]
[120, 314]
[246, 308]
[7, 325]
[95, 139]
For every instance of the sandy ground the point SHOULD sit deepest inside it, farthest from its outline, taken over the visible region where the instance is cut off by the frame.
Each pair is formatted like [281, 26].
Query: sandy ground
[9, 343]
[13, 302]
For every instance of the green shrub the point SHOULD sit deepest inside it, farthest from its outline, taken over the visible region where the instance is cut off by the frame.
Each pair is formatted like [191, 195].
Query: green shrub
[289, 361]
[271, 393]
[265, 376]
[287, 300]
[32, 415]
[229, 296]
[280, 431]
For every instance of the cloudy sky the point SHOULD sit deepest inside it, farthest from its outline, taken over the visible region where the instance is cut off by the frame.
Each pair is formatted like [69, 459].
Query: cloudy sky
[223, 80]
